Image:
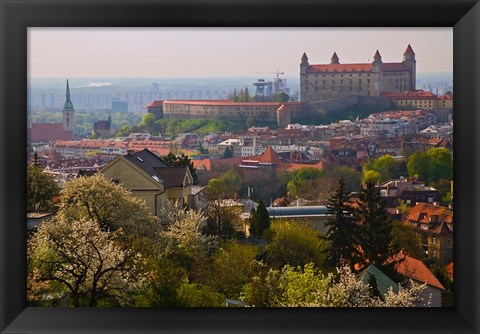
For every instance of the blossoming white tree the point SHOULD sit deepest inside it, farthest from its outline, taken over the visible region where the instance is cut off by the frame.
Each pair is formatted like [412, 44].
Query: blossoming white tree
[79, 260]
[308, 287]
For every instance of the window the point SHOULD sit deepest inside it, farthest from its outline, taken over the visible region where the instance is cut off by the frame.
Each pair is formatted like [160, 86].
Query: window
[434, 254]
[434, 241]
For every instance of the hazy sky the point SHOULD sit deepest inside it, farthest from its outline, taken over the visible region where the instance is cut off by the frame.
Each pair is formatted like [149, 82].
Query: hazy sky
[217, 52]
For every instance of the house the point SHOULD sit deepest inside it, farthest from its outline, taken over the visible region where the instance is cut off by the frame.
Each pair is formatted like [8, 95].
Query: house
[433, 226]
[418, 272]
[384, 283]
[150, 178]
[408, 190]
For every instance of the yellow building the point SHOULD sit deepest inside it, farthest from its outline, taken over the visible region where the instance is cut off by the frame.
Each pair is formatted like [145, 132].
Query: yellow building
[150, 178]
[418, 99]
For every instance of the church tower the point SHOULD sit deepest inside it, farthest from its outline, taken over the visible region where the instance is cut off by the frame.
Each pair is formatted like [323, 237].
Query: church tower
[68, 112]
[411, 64]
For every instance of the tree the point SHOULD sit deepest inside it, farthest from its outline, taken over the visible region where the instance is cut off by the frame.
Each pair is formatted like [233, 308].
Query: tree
[431, 165]
[308, 287]
[184, 232]
[79, 259]
[99, 199]
[342, 230]
[303, 178]
[376, 238]
[222, 217]
[404, 236]
[230, 269]
[387, 166]
[371, 176]
[228, 153]
[148, 122]
[41, 188]
[181, 160]
[260, 220]
[294, 243]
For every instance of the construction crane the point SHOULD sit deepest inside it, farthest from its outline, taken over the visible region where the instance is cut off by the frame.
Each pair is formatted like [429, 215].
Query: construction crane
[277, 73]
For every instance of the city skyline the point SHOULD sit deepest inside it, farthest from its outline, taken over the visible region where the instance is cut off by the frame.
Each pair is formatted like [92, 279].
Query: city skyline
[223, 52]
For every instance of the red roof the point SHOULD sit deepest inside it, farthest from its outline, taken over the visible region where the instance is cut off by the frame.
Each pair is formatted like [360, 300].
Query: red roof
[230, 103]
[155, 103]
[204, 164]
[367, 67]
[270, 157]
[416, 270]
[48, 132]
[389, 67]
[410, 95]
[422, 212]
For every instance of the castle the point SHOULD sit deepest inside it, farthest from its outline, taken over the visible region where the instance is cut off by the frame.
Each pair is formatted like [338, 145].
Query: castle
[331, 81]
[279, 112]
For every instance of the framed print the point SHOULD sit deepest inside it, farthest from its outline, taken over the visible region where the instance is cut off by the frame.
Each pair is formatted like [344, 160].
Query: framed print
[221, 21]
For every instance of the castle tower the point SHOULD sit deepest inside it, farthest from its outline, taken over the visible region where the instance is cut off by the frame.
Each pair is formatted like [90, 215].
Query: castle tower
[303, 74]
[68, 112]
[411, 64]
[377, 70]
[335, 59]
[304, 64]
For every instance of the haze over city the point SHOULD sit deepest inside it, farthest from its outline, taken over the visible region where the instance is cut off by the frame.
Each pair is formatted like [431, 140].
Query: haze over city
[223, 52]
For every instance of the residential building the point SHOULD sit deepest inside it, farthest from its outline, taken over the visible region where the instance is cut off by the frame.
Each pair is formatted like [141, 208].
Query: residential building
[408, 190]
[150, 178]
[433, 227]
[418, 272]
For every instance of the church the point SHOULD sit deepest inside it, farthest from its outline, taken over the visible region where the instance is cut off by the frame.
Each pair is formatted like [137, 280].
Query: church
[323, 82]
[47, 132]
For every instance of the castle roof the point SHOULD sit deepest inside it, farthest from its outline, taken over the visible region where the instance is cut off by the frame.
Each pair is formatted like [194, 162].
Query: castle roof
[377, 54]
[155, 103]
[410, 95]
[366, 67]
[409, 50]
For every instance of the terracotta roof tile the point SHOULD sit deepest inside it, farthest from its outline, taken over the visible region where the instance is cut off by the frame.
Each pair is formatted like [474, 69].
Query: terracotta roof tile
[367, 67]
[416, 270]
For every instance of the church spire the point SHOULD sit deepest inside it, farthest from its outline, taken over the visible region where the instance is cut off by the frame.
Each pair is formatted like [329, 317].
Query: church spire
[68, 105]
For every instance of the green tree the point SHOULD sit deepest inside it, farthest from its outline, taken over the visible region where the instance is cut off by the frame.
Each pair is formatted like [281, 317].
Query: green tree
[230, 269]
[376, 237]
[228, 153]
[41, 188]
[342, 230]
[294, 243]
[99, 199]
[302, 179]
[371, 176]
[404, 236]
[260, 220]
[431, 165]
[387, 166]
[148, 122]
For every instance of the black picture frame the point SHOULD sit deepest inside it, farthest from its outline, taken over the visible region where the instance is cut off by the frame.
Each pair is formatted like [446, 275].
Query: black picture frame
[17, 16]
